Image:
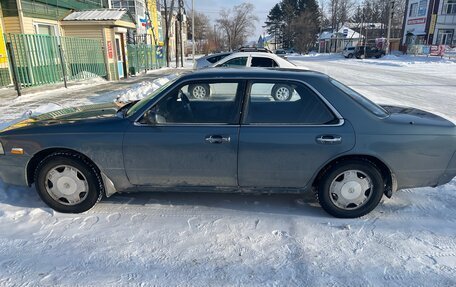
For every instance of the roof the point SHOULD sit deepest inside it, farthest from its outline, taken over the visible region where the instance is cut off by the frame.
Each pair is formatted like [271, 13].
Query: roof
[99, 15]
[350, 33]
[245, 73]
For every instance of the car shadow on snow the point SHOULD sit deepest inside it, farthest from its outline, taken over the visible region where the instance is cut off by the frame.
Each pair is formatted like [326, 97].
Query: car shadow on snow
[210, 203]
[186, 202]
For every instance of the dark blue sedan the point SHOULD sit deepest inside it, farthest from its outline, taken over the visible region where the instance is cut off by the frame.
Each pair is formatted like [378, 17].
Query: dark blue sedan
[322, 137]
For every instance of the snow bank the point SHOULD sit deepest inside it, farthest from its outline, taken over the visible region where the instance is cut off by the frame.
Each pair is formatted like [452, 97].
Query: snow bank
[143, 89]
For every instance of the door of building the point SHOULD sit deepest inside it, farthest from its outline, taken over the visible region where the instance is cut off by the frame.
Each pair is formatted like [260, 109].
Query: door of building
[120, 55]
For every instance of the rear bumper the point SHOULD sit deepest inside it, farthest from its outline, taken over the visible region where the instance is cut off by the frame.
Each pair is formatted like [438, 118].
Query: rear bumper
[450, 171]
[12, 169]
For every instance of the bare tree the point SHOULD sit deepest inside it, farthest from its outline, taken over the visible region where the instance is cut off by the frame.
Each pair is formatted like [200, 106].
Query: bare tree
[202, 30]
[237, 23]
[168, 15]
[341, 11]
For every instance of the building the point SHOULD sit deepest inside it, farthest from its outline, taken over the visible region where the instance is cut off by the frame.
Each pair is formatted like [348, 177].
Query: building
[429, 22]
[110, 27]
[41, 16]
[329, 42]
[174, 36]
[89, 19]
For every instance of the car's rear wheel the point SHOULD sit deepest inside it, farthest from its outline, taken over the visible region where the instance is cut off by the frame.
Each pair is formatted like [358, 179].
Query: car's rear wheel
[282, 93]
[68, 183]
[199, 91]
[350, 189]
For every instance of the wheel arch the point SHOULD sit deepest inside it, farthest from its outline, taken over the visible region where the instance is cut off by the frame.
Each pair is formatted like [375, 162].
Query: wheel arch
[386, 172]
[39, 156]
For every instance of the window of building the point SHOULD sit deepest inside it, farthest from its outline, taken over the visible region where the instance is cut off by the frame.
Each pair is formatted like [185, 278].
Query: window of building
[422, 8]
[449, 7]
[45, 29]
[445, 37]
[413, 10]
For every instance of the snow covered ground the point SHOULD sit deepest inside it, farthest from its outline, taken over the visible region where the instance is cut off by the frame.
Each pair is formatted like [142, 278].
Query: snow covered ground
[193, 239]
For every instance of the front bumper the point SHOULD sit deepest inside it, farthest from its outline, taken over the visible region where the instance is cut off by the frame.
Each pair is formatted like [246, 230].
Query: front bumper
[12, 169]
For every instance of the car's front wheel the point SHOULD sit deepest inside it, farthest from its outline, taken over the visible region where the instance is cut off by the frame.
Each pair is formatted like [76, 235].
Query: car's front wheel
[68, 183]
[350, 189]
[350, 56]
[282, 93]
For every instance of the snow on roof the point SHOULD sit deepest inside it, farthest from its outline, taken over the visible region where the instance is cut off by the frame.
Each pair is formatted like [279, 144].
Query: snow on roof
[96, 15]
[325, 35]
[350, 33]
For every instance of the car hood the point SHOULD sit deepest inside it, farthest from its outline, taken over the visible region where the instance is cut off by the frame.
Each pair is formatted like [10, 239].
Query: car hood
[69, 115]
[416, 116]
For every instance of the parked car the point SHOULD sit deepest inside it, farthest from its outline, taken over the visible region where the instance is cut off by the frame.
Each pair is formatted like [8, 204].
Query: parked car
[328, 139]
[348, 52]
[248, 59]
[281, 52]
[370, 52]
[209, 60]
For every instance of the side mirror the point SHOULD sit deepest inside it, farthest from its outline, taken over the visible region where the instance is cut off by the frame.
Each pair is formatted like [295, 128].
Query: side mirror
[152, 118]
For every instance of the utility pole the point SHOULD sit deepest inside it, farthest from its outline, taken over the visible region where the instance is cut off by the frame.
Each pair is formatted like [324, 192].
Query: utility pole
[388, 34]
[193, 32]
[179, 38]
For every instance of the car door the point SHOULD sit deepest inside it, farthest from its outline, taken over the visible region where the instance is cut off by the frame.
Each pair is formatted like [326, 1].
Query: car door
[282, 144]
[184, 141]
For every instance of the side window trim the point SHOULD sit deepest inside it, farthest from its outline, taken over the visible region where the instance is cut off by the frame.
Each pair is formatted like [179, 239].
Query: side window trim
[245, 107]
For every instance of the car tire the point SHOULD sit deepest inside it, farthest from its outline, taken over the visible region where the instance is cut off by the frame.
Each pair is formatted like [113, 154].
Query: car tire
[350, 56]
[200, 91]
[378, 56]
[281, 92]
[350, 188]
[68, 183]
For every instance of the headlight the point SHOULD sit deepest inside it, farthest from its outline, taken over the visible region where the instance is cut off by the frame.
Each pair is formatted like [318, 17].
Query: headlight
[1, 149]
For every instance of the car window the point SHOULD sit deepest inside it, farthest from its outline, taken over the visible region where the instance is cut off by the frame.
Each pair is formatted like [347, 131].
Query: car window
[235, 62]
[213, 59]
[286, 103]
[140, 104]
[364, 102]
[263, 62]
[200, 102]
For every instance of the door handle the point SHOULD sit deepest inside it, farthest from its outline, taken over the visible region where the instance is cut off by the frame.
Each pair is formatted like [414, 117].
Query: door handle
[328, 139]
[217, 139]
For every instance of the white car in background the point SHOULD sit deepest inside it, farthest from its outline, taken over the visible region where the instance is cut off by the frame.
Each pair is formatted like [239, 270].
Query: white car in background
[247, 59]
[254, 59]
[349, 52]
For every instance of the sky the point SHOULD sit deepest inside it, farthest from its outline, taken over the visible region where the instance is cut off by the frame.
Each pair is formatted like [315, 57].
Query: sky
[212, 8]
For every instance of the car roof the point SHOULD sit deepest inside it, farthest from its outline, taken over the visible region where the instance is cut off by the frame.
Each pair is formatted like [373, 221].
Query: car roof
[280, 60]
[242, 73]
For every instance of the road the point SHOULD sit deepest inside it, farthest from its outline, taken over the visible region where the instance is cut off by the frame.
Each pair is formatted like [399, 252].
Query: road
[430, 86]
[196, 239]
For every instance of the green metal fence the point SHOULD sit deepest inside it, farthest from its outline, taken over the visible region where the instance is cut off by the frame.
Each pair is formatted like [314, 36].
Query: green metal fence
[143, 57]
[38, 60]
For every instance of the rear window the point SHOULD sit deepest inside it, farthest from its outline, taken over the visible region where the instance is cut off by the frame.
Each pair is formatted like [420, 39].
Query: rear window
[360, 99]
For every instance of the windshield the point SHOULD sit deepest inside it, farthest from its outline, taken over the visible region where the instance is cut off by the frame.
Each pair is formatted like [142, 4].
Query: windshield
[360, 99]
[172, 78]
